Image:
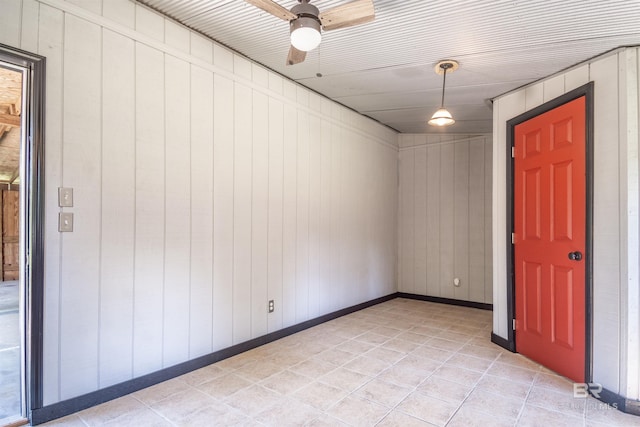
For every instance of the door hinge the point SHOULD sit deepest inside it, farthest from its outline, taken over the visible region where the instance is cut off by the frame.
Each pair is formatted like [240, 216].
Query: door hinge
[513, 238]
[513, 324]
[513, 152]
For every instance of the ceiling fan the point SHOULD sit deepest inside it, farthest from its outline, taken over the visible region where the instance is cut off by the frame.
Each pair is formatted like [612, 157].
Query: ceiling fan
[305, 22]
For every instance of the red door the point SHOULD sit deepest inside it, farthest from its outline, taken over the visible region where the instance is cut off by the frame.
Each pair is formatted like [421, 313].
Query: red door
[549, 225]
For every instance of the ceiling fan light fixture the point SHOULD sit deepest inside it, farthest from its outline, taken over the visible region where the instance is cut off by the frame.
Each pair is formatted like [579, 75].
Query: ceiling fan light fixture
[442, 117]
[305, 33]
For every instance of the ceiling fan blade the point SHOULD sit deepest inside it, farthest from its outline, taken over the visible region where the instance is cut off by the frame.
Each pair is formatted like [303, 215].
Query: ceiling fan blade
[295, 56]
[347, 15]
[273, 8]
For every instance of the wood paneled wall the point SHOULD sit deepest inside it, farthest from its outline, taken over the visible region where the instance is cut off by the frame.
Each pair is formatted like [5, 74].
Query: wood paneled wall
[204, 185]
[616, 294]
[445, 216]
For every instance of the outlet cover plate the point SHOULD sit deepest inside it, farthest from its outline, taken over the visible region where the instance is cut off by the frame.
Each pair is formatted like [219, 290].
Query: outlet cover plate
[65, 197]
[65, 222]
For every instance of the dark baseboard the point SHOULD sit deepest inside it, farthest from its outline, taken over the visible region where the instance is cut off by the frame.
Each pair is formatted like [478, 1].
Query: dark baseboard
[450, 301]
[504, 343]
[615, 401]
[66, 407]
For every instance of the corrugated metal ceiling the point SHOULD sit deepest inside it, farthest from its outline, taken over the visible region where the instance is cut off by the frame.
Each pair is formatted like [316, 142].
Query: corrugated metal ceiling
[384, 69]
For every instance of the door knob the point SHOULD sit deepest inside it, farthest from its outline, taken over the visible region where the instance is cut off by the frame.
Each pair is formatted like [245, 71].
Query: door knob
[575, 256]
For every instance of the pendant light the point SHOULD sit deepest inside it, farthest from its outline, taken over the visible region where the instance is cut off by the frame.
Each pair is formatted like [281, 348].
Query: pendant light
[443, 117]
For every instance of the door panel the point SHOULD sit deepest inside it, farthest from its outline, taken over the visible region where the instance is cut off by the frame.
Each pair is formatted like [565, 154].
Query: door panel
[549, 224]
[10, 233]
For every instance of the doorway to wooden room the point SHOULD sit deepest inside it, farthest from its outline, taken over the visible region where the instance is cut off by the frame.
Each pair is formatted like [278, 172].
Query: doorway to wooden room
[11, 288]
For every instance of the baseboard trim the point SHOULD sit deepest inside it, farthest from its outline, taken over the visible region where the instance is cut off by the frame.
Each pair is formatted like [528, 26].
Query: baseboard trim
[615, 401]
[450, 301]
[502, 342]
[79, 403]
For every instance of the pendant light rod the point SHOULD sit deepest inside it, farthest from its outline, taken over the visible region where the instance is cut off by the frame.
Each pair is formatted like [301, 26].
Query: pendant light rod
[444, 83]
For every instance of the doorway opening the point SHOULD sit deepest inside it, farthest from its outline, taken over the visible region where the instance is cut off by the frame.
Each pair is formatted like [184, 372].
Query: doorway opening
[21, 233]
[560, 321]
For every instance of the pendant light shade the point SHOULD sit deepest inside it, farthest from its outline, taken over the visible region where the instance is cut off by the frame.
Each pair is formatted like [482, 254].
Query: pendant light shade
[443, 117]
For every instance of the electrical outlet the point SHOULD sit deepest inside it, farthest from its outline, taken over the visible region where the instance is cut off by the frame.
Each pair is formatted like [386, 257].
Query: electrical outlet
[272, 306]
[65, 222]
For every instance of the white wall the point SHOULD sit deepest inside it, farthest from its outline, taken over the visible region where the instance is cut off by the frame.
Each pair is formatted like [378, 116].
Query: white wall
[204, 185]
[445, 216]
[616, 336]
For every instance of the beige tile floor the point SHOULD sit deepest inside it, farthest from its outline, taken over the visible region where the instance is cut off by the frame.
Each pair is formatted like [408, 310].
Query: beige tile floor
[400, 363]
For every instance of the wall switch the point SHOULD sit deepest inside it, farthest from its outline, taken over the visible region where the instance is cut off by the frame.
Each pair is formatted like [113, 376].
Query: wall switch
[65, 222]
[272, 306]
[65, 197]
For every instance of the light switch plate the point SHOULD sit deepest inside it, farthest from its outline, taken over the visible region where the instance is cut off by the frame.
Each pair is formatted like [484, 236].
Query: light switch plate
[65, 197]
[65, 222]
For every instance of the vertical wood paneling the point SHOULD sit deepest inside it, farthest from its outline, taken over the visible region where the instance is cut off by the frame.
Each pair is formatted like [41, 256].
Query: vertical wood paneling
[177, 36]
[29, 25]
[242, 262]
[606, 214]
[315, 230]
[534, 95]
[576, 77]
[120, 11]
[259, 215]
[150, 215]
[302, 220]
[447, 223]
[326, 200]
[553, 87]
[149, 23]
[50, 42]
[177, 211]
[201, 309]
[461, 220]
[118, 209]
[81, 160]
[488, 243]
[10, 22]
[444, 190]
[433, 220]
[349, 230]
[289, 221]
[407, 221]
[276, 167]
[420, 220]
[477, 218]
[94, 6]
[630, 86]
[223, 214]
[510, 106]
[184, 229]
[201, 48]
[337, 282]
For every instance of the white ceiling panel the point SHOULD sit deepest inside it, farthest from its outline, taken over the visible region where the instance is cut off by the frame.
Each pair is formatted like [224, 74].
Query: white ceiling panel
[387, 64]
